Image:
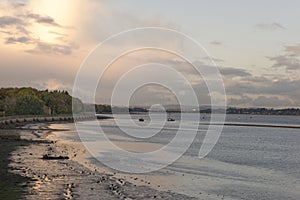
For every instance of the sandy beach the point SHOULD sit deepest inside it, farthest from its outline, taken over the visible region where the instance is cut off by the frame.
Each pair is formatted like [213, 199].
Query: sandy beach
[68, 178]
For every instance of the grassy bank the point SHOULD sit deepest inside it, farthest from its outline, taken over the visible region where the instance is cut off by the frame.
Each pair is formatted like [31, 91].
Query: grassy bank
[12, 186]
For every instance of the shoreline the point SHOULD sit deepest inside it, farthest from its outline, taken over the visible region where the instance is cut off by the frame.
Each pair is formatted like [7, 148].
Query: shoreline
[11, 184]
[67, 178]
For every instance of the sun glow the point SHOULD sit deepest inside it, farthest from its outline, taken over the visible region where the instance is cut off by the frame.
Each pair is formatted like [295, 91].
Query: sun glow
[43, 33]
[61, 11]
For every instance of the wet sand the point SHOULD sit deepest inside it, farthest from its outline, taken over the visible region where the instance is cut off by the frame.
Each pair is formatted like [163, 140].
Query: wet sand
[69, 178]
[11, 185]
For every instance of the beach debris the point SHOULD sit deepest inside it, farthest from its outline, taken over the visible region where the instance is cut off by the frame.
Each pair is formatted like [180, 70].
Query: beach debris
[120, 182]
[51, 157]
[68, 191]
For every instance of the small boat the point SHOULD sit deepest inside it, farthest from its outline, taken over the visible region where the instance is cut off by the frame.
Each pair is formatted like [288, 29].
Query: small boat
[141, 120]
[170, 120]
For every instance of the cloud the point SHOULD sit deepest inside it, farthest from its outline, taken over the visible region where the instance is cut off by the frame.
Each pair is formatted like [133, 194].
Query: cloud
[46, 36]
[216, 42]
[252, 87]
[273, 101]
[18, 4]
[52, 49]
[287, 62]
[213, 59]
[260, 101]
[269, 26]
[242, 100]
[155, 95]
[10, 21]
[53, 84]
[269, 87]
[234, 72]
[43, 19]
[36, 30]
[293, 49]
[91, 32]
[14, 40]
[59, 34]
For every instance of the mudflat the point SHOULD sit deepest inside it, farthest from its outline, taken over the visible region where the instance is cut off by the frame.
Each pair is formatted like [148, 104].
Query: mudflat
[12, 186]
[26, 173]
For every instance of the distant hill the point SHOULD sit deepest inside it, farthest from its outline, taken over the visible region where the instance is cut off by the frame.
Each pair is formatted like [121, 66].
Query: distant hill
[30, 101]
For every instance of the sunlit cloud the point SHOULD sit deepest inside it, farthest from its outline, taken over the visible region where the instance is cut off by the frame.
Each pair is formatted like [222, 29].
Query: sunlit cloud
[23, 26]
[53, 84]
[287, 62]
[293, 50]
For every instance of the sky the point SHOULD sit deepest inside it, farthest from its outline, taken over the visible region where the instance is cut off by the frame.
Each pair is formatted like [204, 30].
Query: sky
[255, 45]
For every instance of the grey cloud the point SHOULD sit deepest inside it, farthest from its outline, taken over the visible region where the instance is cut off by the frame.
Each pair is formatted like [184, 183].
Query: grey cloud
[273, 101]
[237, 88]
[155, 95]
[256, 79]
[285, 61]
[269, 26]
[14, 27]
[214, 59]
[239, 101]
[234, 72]
[14, 40]
[23, 30]
[270, 87]
[57, 33]
[18, 4]
[54, 49]
[9, 21]
[209, 70]
[43, 19]
[160, 95]
[215, 42]
[279, 93]
[6, 32]
[284, 87]
[260, 101]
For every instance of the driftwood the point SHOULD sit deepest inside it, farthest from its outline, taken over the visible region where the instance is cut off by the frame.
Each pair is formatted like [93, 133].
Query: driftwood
[50, 157]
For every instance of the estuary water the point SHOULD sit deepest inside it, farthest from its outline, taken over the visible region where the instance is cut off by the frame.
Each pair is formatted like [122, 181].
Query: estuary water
[249, 161]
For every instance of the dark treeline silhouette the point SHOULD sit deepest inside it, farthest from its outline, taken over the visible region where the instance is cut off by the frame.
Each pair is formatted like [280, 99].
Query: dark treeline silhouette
[107, 109]
[30, 101]
[264, 111]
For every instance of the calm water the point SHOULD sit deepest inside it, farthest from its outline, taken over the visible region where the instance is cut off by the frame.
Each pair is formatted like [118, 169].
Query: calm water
[246, 163]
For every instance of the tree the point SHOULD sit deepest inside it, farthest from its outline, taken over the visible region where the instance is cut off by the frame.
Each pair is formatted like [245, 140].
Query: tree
[30, 101]
[28, 105]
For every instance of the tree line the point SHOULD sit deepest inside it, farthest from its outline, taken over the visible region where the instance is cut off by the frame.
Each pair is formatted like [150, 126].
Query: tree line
[30, 101]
